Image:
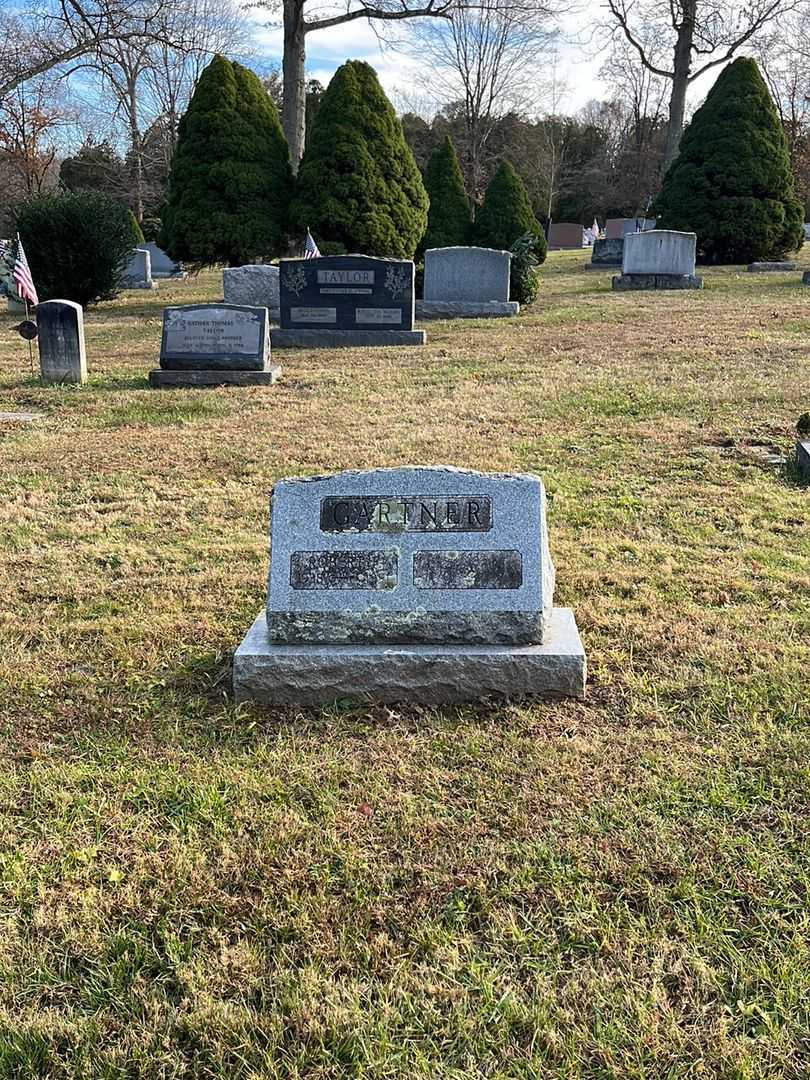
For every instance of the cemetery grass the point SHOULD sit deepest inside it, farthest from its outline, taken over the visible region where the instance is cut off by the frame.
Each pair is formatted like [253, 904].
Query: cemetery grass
[613, 888]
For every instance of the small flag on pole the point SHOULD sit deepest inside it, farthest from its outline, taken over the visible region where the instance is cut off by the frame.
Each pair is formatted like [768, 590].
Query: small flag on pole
[22, 275]
[311, 248]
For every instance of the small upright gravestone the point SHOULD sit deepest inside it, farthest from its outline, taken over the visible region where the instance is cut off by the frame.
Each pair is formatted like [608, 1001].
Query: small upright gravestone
[658, 259]
[617, 228]
[466, 282]
[346, 300]
[215, 345]
[607, 252]
[137, 274]
[162, 266]
[256, 285]
[414, 584]
[803, 458]
[62, 357]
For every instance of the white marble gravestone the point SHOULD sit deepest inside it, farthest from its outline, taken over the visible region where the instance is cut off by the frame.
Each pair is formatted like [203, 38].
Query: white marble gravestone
[424, 584]
[658, 259]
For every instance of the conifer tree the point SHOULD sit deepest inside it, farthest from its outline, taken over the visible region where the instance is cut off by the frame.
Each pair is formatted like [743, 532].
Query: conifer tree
[731, 182]
[358, 184]
[449, 219]
[230, 181]
[507, 214]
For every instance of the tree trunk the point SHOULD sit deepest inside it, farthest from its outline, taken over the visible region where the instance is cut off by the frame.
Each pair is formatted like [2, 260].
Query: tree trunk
[680, 82]
[294, 107]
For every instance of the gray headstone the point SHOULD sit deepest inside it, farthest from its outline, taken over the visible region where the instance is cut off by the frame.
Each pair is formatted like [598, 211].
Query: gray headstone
[215, 337]
[616, 228]
[565, 235]
[659, 251]
[411, 555]
[467, 273]
[770, 267]
[254, 285]
[607, 252]
[137, 274]
[347, 292]
[61, 342]
[803, 459]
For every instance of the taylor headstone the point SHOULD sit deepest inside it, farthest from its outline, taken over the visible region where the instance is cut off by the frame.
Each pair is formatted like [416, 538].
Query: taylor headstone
[346, 300]
[256, 285]
[215, 344]
[466, 282]
[658, 259]
[427, 584]
[62, 357]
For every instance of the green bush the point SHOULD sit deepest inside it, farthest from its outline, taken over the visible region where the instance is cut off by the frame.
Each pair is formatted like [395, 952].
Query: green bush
[358, 183]
[76, 243]
[230, 181]
[507, 214]
[523, 283]
[731, 182]
[449, 218]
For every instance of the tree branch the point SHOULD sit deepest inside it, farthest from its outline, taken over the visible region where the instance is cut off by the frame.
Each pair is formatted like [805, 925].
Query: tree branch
[442, 10]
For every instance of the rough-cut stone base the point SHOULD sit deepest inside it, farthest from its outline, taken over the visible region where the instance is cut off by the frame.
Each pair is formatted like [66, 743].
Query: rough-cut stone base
[466, 309]
[168, 380]
[769, 267]
[803, 459]
[420, 674]
[657, 281]
[347, 339]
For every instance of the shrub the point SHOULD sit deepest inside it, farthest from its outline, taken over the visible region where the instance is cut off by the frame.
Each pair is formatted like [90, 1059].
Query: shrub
[76, 242]
[731, 182]
[230, 181]
[449, 218]
[523, 283]
[358, 183]
[507, 214]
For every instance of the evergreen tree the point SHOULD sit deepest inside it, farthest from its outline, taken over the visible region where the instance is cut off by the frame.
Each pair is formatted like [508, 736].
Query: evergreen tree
[358, 184]
[230, 180]
[449, 219]
[507, 215]
[731, 182]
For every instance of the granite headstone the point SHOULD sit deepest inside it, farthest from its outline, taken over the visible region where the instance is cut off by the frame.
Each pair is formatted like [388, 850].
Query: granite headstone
[607, 252]
[425, 583]
[466, 282]
[256, 284]
[564, 235]
[137, 272]
[215, 344]
[347, 300]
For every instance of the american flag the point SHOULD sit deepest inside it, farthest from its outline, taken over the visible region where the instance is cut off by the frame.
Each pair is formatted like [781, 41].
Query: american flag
[311, 248]
[22, 275]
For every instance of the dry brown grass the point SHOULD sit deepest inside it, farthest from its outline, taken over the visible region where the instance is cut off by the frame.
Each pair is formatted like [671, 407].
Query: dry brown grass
[609, 889]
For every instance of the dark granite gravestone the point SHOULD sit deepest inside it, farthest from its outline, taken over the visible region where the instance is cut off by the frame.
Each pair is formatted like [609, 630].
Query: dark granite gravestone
[347, 300]
[423, 584]
[607, 252]
[215, 344]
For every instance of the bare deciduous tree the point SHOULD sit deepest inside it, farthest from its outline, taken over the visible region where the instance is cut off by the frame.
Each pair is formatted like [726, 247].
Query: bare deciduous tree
[485, 57]
[702, 34]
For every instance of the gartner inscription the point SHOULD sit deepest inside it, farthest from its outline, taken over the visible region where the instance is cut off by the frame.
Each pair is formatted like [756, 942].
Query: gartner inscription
[406, 513]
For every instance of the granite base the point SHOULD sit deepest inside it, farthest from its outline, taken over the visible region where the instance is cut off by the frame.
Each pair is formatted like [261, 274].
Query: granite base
[167, 380]
[345, 339]
[466, 309]
[624, 282]
[312, 675]
[803, 459]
